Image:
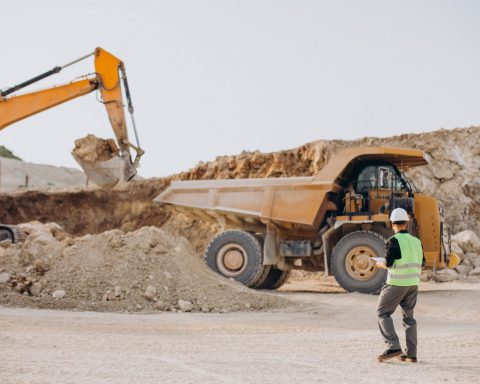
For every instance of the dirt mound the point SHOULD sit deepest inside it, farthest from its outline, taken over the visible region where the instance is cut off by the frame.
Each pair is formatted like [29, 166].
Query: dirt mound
[143, 270]
[93, 149]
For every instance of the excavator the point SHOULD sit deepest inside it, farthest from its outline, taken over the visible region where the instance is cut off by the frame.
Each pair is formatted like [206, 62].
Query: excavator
[107, 79]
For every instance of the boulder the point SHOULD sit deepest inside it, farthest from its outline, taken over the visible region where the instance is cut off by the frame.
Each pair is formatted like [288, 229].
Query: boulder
[463, 270]
[473, 259]
[457, 250]
[468, 241]
[475, 272]
[445, 275]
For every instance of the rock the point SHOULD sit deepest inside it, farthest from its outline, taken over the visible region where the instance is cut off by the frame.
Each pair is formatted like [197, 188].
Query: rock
[425, 276]
[185, 306]
[150, 292]
[58, 294]
[440, 172]
[118, 291]
[463, 269]
[160, 306]
[445, 275]
[473, 259]
[36, 288]
[475, 272]
[468, 241]
[6, 243]
[457, 250]
[4, 277]
[205, 309]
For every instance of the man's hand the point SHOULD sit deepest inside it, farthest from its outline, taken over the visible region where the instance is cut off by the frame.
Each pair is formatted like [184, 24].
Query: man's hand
[381, 265]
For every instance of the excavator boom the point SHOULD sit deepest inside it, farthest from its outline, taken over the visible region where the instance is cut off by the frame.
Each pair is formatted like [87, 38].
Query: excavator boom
[108, 77]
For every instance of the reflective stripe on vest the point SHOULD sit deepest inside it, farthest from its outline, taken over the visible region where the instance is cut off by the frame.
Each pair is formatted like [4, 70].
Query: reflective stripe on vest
[406, 270]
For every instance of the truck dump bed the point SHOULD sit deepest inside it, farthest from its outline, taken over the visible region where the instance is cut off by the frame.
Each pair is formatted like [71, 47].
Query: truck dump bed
[289, 203]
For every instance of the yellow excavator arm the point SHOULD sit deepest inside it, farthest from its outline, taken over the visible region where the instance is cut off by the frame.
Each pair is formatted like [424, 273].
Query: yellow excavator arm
[108, 77]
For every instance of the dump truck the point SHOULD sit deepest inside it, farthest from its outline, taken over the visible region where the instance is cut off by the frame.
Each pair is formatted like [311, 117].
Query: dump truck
[336, 221]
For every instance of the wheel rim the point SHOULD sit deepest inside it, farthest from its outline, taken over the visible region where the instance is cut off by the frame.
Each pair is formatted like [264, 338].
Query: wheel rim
[359, 263]
[232, 259]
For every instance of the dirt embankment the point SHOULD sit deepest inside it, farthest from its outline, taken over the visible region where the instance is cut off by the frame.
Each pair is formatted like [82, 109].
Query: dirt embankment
[89, 211]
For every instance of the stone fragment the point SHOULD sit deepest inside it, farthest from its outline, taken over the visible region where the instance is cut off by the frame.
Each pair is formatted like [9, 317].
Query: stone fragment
[118, 291]
[6, 243]
[150, 292]
[4, 277]
[58, 294]
[36, 288]
[185, 306]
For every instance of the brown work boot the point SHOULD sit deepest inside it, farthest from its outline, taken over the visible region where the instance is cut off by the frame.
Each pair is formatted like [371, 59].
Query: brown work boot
[408, 359]
[389, 354]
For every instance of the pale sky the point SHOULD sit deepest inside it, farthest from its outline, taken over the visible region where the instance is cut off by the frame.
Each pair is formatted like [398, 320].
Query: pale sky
[212, 78]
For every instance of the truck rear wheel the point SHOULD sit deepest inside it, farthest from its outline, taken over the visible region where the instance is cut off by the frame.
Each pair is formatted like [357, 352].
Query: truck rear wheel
[352, 263]
[275, 279]
[239, 255]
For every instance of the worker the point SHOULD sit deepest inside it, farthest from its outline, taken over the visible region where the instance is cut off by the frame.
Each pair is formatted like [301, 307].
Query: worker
[404, 260]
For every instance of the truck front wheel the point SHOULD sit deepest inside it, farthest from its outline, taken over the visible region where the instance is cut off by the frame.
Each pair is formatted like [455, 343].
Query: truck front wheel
[238, 255]
[352, 263]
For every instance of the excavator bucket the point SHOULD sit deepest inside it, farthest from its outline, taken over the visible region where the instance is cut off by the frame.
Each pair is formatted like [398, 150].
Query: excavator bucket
[101, 161]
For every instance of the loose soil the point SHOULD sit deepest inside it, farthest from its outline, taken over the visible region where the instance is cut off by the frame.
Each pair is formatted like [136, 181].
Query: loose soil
[144, 270]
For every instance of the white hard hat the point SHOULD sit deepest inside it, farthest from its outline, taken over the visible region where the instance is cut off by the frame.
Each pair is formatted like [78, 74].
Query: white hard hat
[399, 214]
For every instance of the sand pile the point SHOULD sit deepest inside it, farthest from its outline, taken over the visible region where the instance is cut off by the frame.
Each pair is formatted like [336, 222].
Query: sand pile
[143, 270]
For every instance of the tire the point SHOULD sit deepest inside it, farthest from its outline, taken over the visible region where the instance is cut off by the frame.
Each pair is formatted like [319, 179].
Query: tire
[6, 234]
[275, 279]
[239, 255]
[350, 267]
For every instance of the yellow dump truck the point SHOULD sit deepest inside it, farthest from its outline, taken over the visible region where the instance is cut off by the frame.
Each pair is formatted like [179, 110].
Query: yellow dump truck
[335, 222]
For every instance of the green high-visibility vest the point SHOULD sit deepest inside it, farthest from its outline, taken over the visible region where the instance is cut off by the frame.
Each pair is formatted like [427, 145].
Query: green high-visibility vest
[406, 270]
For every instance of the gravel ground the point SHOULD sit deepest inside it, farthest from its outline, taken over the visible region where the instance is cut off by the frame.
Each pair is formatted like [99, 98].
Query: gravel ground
[324, 337]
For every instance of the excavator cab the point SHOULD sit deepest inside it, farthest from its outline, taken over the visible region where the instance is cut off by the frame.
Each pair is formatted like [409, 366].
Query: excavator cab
[105, 162]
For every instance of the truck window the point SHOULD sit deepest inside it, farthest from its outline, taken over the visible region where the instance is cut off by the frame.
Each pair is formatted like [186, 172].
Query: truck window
[379, 176]
[367, 179]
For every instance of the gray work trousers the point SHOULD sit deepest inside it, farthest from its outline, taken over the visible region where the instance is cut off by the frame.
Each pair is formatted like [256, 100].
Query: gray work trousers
[390, 297]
